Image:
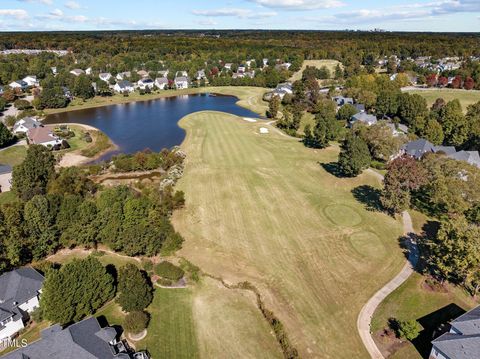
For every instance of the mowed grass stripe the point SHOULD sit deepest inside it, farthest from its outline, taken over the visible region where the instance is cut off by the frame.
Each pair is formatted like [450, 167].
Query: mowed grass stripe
[262, 208]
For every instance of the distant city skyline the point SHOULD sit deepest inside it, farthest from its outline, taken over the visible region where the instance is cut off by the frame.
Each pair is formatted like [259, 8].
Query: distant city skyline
[395, 15]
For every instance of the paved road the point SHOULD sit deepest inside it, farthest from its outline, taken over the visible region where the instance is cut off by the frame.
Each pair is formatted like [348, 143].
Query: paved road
[365, 317]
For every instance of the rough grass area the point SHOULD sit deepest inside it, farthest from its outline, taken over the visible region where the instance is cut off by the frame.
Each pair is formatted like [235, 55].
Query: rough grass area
[250, 97]
[171, 332]
[67, 255]
[229, 324]
[264, 208]
[329, 64]
[100, 144]
[466, 97]
[415, 299]
[13, 155]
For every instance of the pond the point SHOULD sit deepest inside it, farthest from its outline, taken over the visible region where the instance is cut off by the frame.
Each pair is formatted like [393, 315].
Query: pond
[152, 124]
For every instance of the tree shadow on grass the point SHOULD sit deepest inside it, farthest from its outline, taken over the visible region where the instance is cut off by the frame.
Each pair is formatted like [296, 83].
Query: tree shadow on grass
[434, 325]
[369, 196]
[333, 168]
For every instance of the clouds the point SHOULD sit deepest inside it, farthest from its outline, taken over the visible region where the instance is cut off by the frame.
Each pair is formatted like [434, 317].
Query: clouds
[73, 5]
[46, 2]
[14, 13]
[231, 12]
[299, 5]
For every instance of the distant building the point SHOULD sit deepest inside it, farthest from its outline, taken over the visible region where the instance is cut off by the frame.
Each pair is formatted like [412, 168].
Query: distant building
[105, 76]
[463, 339]
[31, 80]
[200, 75]
[19, 84]
[142, 73]
[161, 83]
[123, 75]
[145, 83]
[181, 82]
[123, 86]
[77, 72]
[340, 100]
[20, 290]
[25, 124]
[82, 340]
[364, 118]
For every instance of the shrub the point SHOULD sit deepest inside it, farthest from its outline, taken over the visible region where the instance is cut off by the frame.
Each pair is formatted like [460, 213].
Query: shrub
[22, 104]
[169, 271]
[405, 329]
[135, 322]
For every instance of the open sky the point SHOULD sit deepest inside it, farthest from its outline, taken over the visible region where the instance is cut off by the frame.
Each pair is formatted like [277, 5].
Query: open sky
[405, 15]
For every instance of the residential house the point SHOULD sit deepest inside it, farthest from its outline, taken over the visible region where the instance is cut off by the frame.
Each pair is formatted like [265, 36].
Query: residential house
[471, 157]
[54, 70]
[265, 62]
[249, 63]
[340, 100]
[83, 340]
[5, 178]
[43, 136]
[417, 149]
[145, 83]
[200, 75]
[228, 66]
[20, 290]
[181, 82]
[89, 71]
[66, 93]
[163, 73]
[105, 76]
[359, 107]
[77, 72]
[281, 90]
[123, 86]
[123, 75]
[463, 339]
[181, 74]
[25, 124]
[31, 80]
[285, 66]
[142, 73]
[19, 84]
[161, 83]
[397, 129]
[363, 117]
[241, 69]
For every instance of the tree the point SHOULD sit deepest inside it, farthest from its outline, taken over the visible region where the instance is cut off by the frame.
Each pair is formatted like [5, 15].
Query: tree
[380, 140]
[71, 180]
[411, 107]
[76, 290]
[22, 104]
[387, 103]
[457, 82]
[135, 291]
[454, 253]
[83, 87]
[433, 131]
[346, 112]
[442, 81]
[273, 107]
[404, 175]
[51, 97]
[431, 80]
[469, 84]
[454, 123]
[408, 329]
[6, 137]
[135, 322]
[32, 175]
[354, 156]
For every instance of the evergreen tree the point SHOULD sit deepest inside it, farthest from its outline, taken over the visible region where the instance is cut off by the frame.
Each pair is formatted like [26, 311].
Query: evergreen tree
[354, 156]
[83, 87]
[6, 137]
[135, 290]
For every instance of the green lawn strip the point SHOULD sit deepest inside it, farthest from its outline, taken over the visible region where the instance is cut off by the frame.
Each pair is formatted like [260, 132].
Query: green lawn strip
[171, 332]
[13, 155]
[466, 97]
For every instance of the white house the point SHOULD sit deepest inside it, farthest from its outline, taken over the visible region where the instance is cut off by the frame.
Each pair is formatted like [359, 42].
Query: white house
[89, 71]
[242, 69]
[181, 82]
[54, 70]
[124, 86]
[265, 62]
[43, 136]
[20, 290]
[77, 72]
[123, 75]
[19, 84]
[228, 66]
[145, 83]
[25, 124]
[31, 80]
[364, 118]
[200, 75]
[161, 82]
[105, 76]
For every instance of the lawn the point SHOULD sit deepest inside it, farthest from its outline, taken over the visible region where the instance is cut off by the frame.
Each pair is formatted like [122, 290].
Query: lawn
[466, 97]
[250, 97]
[171, 332]
[118, 260]
[329, 64]
[262, 208]
[415, 300]
[13, 155]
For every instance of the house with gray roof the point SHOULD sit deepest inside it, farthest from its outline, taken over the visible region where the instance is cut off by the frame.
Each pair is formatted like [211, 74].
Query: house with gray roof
[340, 100]
[20, 291]
[363, 117]
[417, 148]
[463, 339]
[161, 83]
[472, 157]
[82, 340]
[181, 82]
[25, 124]
[123, 86]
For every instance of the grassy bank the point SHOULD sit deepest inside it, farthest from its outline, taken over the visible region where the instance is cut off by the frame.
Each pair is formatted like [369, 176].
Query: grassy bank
[329, 64]
[465, 97]
[262, 208]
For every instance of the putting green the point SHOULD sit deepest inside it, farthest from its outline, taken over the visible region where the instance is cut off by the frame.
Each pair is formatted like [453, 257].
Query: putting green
[342, 215]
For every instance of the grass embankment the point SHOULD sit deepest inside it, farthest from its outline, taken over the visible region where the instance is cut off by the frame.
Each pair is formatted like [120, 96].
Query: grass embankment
[249, 97]
[329, 64]
[13, 155]
[465, 97]
[262, 208]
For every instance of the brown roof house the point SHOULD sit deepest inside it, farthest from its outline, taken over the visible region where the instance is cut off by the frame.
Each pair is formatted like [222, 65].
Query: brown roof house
[43, 136]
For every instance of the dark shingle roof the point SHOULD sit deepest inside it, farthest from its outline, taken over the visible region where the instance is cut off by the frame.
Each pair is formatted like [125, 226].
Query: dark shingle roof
[471, 157]
[16, 287]
[82, 340]
[418, 148]
[454, 346]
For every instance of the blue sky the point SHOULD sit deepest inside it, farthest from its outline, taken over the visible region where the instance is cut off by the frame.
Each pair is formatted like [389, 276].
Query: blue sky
[404, 15]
